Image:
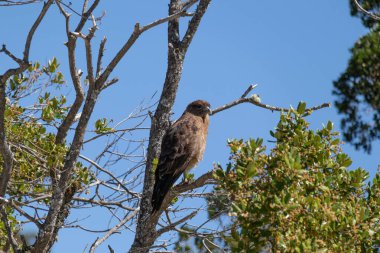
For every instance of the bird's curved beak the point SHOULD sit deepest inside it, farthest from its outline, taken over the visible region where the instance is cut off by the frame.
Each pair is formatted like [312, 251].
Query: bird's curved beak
[209, 111]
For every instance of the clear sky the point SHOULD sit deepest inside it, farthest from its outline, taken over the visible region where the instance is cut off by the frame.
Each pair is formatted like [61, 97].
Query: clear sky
[292, 49]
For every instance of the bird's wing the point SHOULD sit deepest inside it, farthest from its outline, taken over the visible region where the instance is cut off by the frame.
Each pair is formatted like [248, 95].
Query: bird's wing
[178, 147]
[177, 150]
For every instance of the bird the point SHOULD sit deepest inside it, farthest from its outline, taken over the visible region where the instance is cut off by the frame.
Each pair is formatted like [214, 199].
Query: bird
[182, 148]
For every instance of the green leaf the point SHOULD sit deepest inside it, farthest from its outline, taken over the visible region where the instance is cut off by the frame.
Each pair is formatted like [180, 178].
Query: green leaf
[301, 108]
[330, 125]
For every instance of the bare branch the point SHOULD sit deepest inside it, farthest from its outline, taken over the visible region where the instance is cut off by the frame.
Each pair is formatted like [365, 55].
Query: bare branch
[113, 230]
[14, 58]
[249, 89]
[75, 77]
[84, 8]
[174, 224]
[110, 174]
[184, 187]
[132, 39]
[90, 68]
[34, 28]
[181, 13]
[110, 83]
[86, 15]
[256, 101]
[100, 56]
[22, 212]
[194, 23]
[104, 203]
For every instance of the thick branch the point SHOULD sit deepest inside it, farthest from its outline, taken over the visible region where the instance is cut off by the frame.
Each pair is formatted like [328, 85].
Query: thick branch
[86, 15]
[194, 23]
[184, 187]
[34, 28]
[75, 77]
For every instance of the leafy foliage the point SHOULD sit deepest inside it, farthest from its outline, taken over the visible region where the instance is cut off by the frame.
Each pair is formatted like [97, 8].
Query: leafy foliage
[29, 130]
[300, 197]
[358, 88]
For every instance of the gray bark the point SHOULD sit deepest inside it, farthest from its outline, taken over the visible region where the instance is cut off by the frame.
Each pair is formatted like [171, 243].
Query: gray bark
[146, 233]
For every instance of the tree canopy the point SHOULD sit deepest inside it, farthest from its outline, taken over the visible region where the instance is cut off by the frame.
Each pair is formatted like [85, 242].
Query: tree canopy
[300, 196]
[358, 87]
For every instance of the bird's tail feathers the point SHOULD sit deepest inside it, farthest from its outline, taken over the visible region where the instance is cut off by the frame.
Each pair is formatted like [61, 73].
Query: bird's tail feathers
[161, 188]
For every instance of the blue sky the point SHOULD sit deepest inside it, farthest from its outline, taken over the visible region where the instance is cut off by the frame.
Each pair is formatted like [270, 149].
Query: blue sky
[293, 50]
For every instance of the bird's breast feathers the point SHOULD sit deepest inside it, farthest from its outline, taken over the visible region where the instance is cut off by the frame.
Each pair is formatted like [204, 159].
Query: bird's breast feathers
[197, 139]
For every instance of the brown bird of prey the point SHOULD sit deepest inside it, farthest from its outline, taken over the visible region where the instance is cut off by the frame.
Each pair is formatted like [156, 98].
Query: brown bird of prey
[182, 148]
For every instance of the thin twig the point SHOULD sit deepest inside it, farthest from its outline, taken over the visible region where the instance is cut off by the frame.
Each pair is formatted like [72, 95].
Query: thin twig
[132, 39]
[100, 56]
[172, 225]
[110, 174]
[14, 58]
[113, 230]
[249, 89]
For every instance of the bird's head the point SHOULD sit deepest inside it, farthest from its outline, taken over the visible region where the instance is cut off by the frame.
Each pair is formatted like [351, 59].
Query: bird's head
[199, 108]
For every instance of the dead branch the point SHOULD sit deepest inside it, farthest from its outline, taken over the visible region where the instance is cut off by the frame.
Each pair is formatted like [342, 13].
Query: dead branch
[255, 100]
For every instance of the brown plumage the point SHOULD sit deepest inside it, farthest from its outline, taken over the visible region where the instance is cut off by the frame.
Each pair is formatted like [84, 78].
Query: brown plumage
[182, 148]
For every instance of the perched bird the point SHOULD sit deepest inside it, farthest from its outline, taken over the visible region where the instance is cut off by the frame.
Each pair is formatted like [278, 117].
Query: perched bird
[182, 148]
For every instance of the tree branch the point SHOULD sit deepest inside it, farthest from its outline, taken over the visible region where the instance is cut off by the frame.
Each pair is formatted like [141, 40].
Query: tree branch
[110, 174]
[132, 39]
[174, 224]
[12, 240]
[194, 23]
[113, 230]
[4, 147]
[75, 77]
[14, 58]
[255, 100]
[100, 56]
[14, 3]
[370, 14]
[34, 28]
